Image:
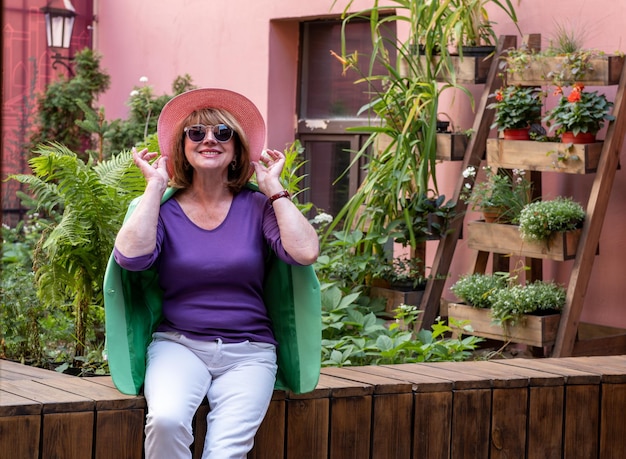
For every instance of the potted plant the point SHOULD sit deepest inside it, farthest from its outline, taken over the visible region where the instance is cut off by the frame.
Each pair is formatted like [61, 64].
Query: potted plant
[580, 112]
[472, 30]
[517, 108]
[539, 220]
[429, 220]
[497, 307]
[501, 196]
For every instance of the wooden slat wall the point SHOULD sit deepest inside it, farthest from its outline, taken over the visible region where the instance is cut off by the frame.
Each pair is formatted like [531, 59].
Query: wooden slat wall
[548, 408]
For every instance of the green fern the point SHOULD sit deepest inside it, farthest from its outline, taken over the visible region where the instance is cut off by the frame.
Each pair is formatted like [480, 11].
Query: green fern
[70, 259]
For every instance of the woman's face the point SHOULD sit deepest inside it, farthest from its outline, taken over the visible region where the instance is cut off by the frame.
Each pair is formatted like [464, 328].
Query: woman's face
[209, 147]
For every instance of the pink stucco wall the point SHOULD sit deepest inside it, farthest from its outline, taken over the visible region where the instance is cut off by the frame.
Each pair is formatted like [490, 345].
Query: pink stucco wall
[252, 47]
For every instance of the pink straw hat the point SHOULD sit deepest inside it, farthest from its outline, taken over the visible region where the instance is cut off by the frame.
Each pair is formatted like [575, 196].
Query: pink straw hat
[242, 108]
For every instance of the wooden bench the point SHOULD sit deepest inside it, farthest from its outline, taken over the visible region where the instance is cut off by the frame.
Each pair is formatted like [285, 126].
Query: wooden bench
[548, 408]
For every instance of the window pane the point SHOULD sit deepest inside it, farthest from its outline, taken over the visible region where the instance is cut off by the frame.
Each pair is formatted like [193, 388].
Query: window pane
[325, 92]
[326, 161]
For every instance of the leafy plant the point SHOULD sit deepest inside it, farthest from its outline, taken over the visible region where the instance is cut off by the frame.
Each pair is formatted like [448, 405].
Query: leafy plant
[70, 258]
[506, 299]
[580, 111]
[510, 303]
[478, 289]
[401, 147]
[516, 107]
[539, 220]
[508, 191]
[58, 108]
[352, 334]
[430, 218]
[471, 24]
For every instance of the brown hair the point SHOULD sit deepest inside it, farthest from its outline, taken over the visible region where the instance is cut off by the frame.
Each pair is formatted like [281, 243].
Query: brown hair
[182, 173]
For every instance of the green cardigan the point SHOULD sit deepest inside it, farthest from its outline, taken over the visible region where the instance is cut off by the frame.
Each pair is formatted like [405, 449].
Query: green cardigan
[132, 303]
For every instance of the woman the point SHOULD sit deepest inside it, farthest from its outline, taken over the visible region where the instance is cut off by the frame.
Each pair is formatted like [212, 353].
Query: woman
[209, 244]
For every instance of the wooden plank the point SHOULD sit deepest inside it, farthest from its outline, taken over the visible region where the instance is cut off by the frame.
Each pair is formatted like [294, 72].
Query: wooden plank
[432, 431]
[473, 155]
[551, 366]
[269, 442]
[340, 387]
[470, 439]
[612, 425]
[105, 398]
[419, 382]
[53, 400]
[19, 436]
[532, 330]
[392, 426]
[14, 405]
[508, 422]
[67, 435]
[307, 428]
[350, 427]
[16, 371]
[394, 298]
[543, 156]
[380, 384]
[440, 370]
[545, 421]
[505, 239]
[606, 71]
[581, 431]
[592, 227]
[119, 433]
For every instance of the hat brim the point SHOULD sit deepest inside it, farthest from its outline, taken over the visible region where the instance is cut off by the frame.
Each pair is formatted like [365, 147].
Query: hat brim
[242, 108]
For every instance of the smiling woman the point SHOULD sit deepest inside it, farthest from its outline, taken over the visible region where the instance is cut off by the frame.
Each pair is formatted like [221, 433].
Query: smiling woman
[210, 238]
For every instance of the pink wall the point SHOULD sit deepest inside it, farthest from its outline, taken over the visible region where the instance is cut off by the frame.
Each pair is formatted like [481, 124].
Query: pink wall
[252, 47]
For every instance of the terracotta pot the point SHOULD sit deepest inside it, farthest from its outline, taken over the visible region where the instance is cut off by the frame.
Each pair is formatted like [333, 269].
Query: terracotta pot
[517, 134]
[493, 214]
[581, 137]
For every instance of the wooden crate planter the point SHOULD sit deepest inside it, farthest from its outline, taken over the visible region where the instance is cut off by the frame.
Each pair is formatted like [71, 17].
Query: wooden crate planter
[531, 330]
[395, 298]
[467, 69]
[544, 156]
[451, 146]
[606, 71]
[505, 239]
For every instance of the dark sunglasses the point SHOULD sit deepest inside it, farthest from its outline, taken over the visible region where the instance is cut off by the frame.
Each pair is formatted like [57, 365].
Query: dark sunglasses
[198, 132]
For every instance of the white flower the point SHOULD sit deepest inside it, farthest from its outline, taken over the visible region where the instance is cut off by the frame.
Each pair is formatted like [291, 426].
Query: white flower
[468, 186]
[134, 93]
[143, 79]
[469, 172]
[323, 217]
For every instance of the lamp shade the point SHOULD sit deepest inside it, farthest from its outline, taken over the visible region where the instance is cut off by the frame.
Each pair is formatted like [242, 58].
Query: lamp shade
[59, 25]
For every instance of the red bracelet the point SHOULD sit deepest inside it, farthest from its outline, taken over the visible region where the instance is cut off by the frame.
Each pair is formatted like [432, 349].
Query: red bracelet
[280, 194]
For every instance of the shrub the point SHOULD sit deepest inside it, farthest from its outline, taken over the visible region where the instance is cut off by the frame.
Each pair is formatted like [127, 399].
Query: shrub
[539, 220]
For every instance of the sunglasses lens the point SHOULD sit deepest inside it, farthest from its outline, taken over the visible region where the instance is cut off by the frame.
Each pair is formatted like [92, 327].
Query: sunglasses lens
[196, 133]
[222, 133]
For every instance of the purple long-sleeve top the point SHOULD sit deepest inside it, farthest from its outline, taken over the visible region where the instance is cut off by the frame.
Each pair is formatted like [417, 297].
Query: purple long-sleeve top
[212, 280]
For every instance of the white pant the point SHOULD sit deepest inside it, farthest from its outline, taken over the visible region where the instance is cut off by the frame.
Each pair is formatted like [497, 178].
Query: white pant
[238, 380]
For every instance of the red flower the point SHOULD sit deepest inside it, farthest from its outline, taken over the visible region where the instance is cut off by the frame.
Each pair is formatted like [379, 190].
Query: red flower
[499, 96]
[574, 96]
[558, 91]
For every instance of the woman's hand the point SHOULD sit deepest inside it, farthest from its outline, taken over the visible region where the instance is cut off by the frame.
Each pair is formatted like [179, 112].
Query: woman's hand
[268, 170]
[153, 172]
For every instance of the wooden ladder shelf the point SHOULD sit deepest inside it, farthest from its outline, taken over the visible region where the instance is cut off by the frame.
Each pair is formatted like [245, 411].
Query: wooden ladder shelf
[572, 336]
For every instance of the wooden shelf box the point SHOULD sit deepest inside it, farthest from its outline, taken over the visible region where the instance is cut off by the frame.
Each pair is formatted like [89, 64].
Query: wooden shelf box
[505, 239]
[543, 156]
[467, 69]
[451, 146]
[606, 71]
[531, 330]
